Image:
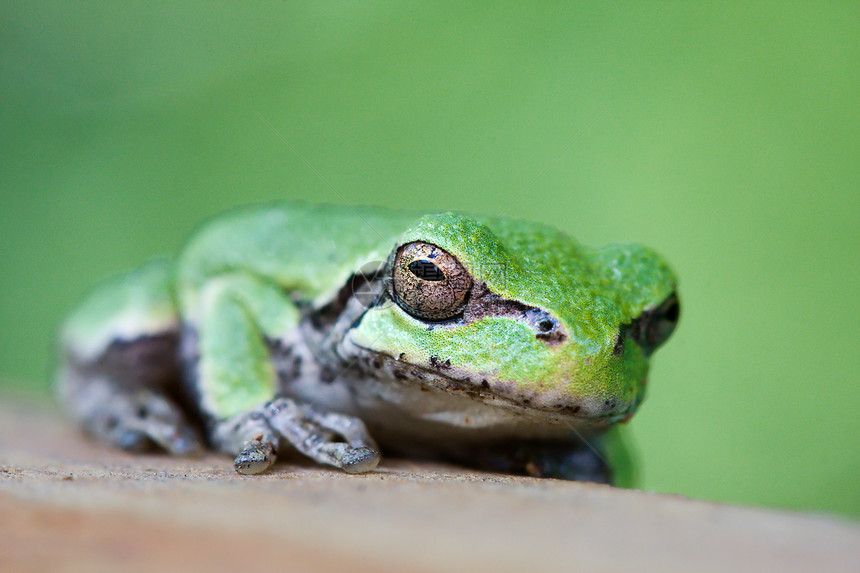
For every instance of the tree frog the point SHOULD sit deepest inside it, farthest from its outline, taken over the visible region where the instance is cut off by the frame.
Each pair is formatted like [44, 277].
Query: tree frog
[337, 331]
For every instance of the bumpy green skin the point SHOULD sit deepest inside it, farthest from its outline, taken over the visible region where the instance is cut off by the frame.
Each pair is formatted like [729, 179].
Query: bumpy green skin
[249, 274]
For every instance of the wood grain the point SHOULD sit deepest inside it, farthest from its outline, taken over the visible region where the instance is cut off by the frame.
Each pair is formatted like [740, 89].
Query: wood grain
[68, 504]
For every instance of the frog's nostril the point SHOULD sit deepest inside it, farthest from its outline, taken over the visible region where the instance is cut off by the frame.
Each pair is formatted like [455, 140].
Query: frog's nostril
[548, 329]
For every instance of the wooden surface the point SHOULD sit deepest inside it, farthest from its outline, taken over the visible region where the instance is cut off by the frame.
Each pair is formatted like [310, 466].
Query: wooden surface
[71, 505]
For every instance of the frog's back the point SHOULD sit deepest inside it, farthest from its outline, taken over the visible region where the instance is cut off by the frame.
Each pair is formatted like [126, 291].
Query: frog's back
[307, 249]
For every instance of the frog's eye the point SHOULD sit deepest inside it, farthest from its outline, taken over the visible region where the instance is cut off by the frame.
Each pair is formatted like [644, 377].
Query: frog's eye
[656, 325]
[430, 283]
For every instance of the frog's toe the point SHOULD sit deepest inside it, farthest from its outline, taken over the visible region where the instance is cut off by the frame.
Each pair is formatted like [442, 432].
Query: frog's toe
[360, 460]
[345, 457]
[256, 457]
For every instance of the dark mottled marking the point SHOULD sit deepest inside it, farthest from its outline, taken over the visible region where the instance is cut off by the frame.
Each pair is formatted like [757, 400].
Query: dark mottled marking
[485, 384]
[285, 359]
[325, 317]
[146, 361]
[439, 364]
[327, 375]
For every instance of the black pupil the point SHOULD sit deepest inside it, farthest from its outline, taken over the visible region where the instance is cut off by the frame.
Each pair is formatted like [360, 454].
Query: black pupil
[426, 270]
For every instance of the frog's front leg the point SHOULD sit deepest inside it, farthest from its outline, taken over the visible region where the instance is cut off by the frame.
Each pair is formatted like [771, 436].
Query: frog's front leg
[254, 435]
[238, 384]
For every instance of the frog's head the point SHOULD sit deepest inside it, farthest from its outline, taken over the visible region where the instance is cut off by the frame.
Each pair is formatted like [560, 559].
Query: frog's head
[508, 311]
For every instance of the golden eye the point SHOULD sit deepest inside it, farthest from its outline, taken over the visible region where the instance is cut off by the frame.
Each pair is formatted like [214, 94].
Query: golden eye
[430, 283]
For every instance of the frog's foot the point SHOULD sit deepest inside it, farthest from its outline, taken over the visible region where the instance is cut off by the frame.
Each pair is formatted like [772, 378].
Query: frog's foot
[313, 433]
[255, 435]
[256, 456]
[250, 438]
[136, 420]
[562, 460]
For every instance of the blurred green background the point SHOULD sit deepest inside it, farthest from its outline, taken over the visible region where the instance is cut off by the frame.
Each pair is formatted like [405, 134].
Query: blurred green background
[726, 135]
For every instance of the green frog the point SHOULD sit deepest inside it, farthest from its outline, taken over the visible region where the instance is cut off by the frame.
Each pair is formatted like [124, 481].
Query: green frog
[343, 331]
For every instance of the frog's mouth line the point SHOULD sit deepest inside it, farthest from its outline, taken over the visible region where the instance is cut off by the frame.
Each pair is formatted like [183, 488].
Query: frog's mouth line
[487, 392]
